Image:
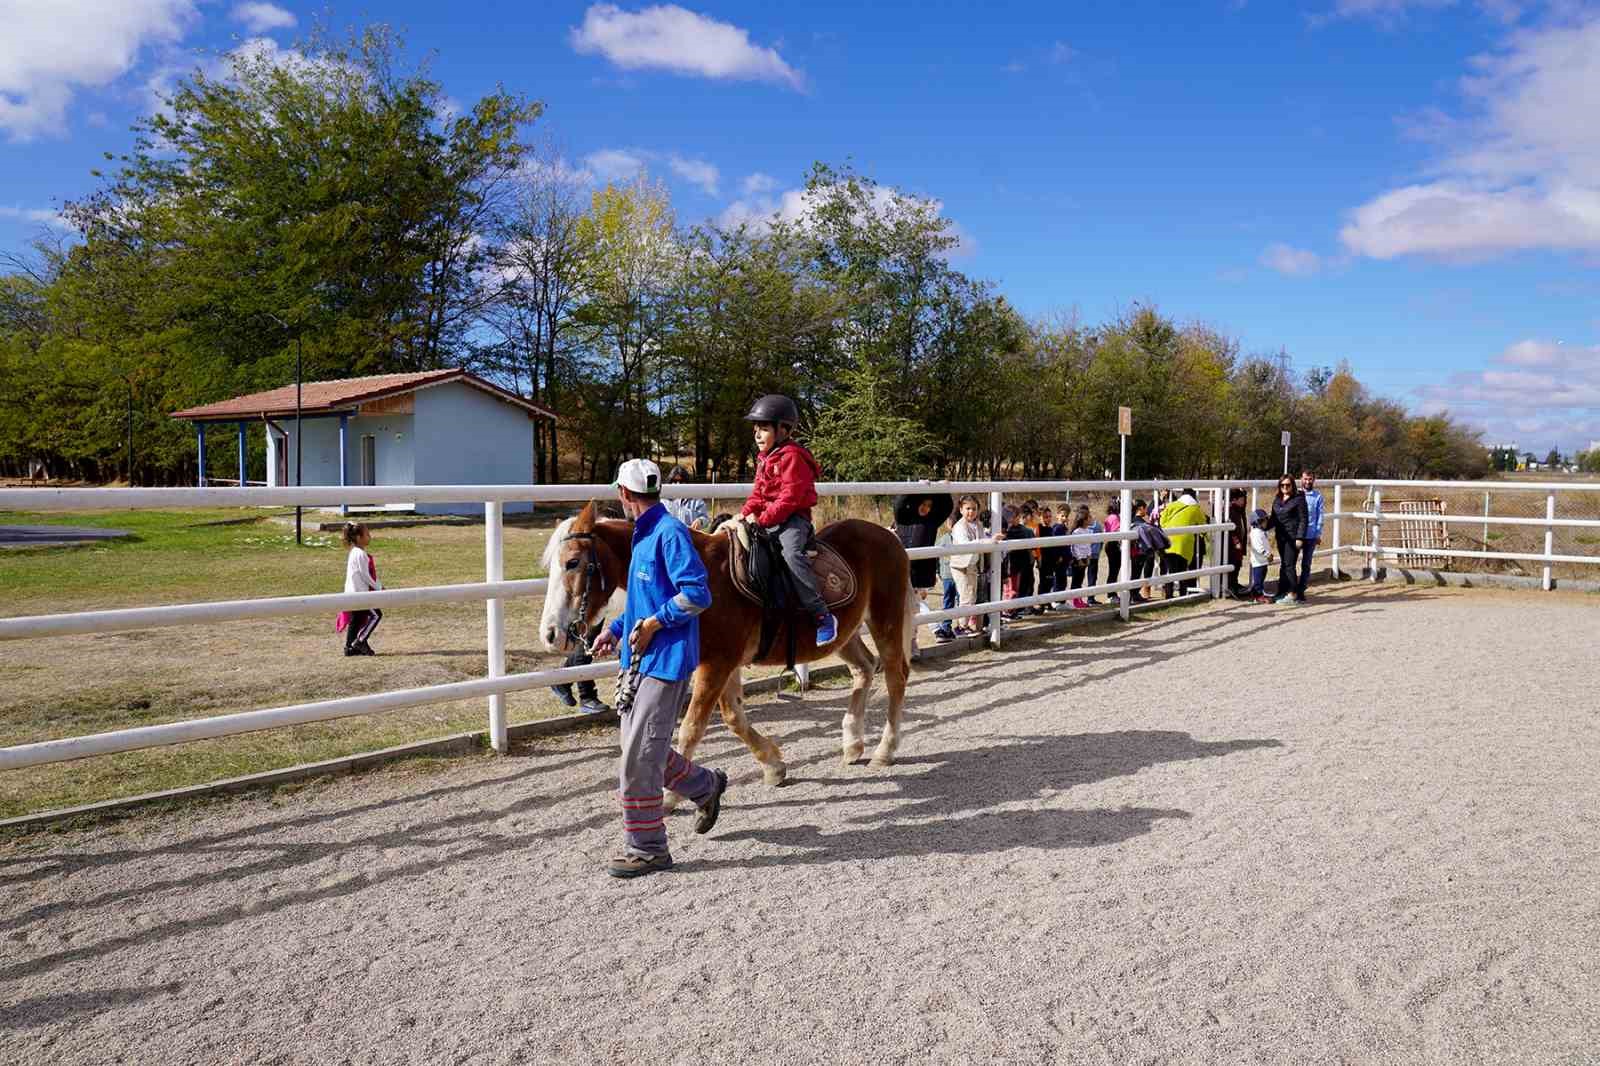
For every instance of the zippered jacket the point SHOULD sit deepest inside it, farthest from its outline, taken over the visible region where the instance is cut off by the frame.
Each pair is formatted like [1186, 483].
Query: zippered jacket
[786, 485]
[666, 580]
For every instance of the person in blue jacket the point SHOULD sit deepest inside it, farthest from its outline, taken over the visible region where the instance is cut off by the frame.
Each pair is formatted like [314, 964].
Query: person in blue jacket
[1308, 487]
[667, 591]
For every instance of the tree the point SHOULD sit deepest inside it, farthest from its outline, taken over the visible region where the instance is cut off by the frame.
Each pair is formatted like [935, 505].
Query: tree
[633, 258]
[540, 259]
[862, 437]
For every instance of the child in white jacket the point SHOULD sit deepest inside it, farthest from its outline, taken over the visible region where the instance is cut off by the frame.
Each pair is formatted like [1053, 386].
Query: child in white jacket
[964, 568]
[1260, 557]
[360, 575]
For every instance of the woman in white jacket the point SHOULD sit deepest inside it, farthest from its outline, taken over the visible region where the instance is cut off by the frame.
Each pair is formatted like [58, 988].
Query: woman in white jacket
[360, 575]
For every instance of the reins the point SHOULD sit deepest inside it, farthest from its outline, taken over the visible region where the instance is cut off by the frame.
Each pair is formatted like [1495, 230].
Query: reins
[578, 628]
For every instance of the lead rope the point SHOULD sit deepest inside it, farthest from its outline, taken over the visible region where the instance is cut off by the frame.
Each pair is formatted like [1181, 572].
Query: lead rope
[628, 680]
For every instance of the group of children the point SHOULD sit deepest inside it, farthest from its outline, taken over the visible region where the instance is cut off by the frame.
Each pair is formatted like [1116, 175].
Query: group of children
[966, 578]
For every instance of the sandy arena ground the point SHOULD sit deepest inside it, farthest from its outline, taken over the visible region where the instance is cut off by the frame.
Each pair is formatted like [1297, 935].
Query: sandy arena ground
[1367, 830]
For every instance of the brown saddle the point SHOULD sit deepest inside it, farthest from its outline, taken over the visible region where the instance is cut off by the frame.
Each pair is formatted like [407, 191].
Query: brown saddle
[836, 581]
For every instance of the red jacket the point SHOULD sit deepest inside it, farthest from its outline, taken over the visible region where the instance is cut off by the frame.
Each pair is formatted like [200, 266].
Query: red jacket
[786, 484]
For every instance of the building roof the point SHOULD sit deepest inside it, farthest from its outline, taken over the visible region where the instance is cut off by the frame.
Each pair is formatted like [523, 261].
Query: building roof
[345, 395]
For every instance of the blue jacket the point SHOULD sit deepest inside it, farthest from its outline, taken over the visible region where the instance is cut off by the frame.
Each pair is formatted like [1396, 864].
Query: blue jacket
[1313, 515]
[666, 579]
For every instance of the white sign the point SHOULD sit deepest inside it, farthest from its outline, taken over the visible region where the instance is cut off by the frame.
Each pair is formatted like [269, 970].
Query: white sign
[1285, 438]
[1125, 421]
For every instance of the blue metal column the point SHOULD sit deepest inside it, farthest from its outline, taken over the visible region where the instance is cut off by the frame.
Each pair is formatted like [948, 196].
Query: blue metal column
[344, 432]
[200, 427]
[241, 455]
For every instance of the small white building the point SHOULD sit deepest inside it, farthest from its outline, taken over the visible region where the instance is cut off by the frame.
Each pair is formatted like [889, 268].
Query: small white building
[438, 427]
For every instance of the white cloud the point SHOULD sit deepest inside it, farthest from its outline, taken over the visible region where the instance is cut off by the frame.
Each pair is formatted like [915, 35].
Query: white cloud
[757, 184]
[614, 164]
[262, 17]
[696, 172]
[1295, 262]
[1390, 13]
[668, 37]
[48, 51]
[559, 171]
[159, 86]
[1062, 52]
[42, 215]
[1524, 171]
[794, 206]
[1539, 389]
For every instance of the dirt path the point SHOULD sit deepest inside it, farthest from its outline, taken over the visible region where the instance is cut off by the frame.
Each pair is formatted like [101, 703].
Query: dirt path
[1367, 830]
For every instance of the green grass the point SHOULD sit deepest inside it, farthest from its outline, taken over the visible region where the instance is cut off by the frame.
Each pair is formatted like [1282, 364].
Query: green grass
[72, 686]
[178, 556]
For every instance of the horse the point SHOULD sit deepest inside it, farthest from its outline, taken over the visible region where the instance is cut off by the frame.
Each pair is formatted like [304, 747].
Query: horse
[587, 561]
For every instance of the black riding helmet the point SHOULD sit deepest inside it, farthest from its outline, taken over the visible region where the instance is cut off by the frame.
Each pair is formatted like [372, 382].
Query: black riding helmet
[774, 408]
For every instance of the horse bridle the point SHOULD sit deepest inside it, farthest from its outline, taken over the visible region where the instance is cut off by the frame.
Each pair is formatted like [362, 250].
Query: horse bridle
[578, 628]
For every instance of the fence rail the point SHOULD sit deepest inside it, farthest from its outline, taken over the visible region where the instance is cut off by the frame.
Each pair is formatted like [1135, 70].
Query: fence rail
[494, 590]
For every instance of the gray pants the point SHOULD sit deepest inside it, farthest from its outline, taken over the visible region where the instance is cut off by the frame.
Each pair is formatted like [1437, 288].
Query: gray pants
[649, 762]
[795, 535]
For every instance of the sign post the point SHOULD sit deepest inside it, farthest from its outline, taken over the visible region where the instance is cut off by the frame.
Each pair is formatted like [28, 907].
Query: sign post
[1285, 451]
[1124, 431]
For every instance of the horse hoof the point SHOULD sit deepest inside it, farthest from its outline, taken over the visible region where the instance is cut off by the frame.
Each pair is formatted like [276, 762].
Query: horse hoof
[881, 760]
[850, 754]
[775, 774]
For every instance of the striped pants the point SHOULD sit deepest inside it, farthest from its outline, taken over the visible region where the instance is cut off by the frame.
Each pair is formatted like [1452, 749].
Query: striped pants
[649, 764]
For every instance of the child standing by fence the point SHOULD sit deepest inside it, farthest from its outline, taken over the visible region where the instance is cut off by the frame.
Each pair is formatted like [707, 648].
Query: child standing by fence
[360, 575]
[966, 567]
[1260, 557]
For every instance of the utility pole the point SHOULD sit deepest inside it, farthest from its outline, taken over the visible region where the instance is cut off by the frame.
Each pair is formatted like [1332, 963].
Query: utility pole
[130, 433]
[299, 441]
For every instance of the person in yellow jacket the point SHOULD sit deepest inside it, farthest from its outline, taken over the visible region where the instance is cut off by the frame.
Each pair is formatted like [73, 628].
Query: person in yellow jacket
[1181, 554]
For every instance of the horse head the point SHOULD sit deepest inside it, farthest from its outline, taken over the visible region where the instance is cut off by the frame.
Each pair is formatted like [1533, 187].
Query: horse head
[576, 560]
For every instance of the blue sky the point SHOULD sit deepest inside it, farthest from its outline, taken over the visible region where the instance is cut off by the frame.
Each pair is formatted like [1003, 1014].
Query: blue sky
[1411, 185]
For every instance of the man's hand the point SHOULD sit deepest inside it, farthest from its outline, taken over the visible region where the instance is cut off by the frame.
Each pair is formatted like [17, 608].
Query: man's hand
[643, 634]
[604, 645]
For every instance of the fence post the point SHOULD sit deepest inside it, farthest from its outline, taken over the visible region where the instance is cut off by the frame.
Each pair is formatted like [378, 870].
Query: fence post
[1549, 536]
[997, 524]
[1338, 506]
[1219, 540]
[1377, 531]
[1125, 504]
[495, 570]
[1486, 520]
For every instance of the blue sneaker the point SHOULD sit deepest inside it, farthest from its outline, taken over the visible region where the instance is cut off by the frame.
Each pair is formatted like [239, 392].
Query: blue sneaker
[827, 629]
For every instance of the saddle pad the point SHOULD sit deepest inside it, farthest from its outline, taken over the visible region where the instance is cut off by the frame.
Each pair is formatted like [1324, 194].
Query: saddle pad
[836, 581]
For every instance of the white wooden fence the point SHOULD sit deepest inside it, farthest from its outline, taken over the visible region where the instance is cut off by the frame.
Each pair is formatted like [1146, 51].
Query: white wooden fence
[494, 590]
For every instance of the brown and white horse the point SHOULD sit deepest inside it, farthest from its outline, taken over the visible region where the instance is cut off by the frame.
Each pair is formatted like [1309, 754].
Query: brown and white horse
[587, 560]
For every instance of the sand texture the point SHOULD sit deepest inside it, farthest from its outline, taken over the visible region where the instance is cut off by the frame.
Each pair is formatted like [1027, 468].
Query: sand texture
[1362, 831]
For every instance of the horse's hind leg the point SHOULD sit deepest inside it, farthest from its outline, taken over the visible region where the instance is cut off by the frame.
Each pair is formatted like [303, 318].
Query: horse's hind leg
[704, 691]
[892, 630]
[863, 664]
[773, 769]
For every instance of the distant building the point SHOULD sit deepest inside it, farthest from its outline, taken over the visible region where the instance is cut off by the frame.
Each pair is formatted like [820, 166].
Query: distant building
[438, 427]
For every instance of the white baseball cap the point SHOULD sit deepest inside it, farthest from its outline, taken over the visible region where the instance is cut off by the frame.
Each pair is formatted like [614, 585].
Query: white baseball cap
[639, 475]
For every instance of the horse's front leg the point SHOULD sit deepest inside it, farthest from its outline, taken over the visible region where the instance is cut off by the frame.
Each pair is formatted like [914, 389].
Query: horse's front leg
[773, 768]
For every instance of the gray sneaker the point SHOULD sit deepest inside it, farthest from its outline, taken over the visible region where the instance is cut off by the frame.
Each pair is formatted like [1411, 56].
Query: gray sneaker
[638, 865]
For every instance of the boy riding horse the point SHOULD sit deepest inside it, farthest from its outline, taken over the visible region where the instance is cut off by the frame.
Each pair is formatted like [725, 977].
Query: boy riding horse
[781, 501]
